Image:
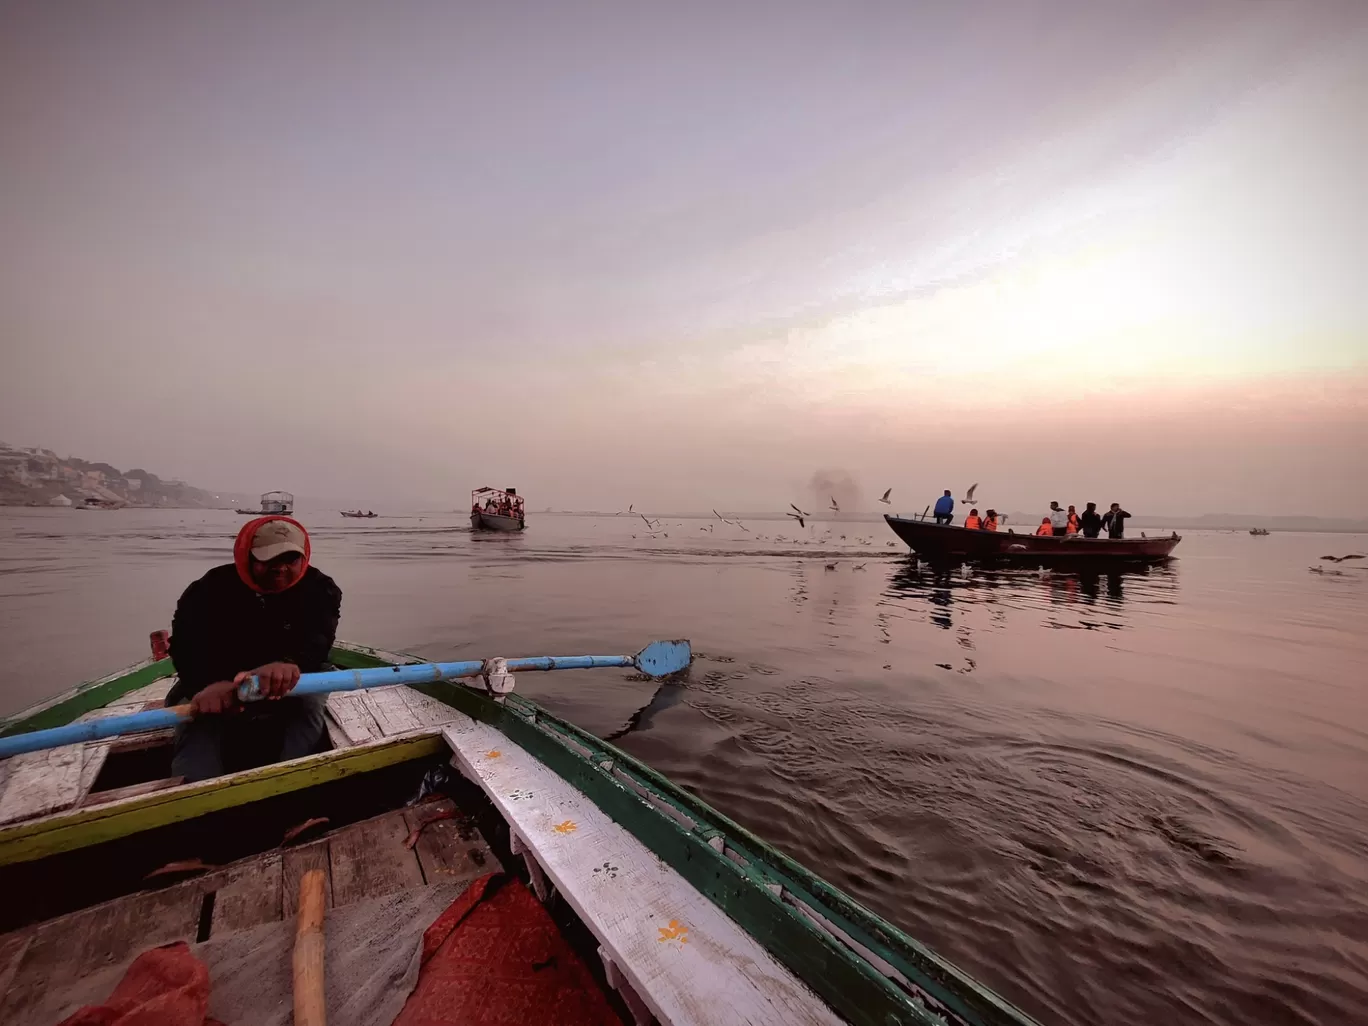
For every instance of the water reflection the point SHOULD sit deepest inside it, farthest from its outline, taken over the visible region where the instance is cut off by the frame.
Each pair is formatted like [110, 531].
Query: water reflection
[1089, 598]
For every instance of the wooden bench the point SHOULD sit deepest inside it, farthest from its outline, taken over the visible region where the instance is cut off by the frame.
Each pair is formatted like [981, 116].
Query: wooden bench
[683, 958]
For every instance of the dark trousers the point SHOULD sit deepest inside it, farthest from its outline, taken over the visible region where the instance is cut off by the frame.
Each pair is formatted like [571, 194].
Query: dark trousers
[262, 733]
[944, 518]
[1060, 532]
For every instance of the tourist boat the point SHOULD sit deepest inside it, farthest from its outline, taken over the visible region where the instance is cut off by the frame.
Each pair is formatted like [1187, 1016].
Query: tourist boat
[1258, 532]
[485, 504]
[943, 541]
[273, 502]
[441, 786]
[358, 515]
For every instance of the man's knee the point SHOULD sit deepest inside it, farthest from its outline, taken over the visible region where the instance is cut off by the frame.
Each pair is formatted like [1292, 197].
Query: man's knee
[198, 751]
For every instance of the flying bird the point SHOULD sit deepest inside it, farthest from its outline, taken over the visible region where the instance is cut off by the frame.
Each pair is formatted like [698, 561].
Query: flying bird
[970, 496]
[833, 504]
[886, 494]
[798, 517]
[798, 511]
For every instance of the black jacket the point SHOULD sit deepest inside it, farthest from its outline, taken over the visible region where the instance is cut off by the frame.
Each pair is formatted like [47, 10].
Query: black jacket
[1091, 523]
[222, 627]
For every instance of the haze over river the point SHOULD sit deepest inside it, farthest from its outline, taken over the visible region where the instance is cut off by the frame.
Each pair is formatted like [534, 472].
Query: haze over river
[1116, 798]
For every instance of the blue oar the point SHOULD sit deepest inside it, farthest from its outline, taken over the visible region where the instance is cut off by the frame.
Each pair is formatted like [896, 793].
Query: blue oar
[658, 659]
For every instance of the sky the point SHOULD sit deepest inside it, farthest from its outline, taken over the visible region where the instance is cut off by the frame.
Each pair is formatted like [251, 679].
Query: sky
[697, 255]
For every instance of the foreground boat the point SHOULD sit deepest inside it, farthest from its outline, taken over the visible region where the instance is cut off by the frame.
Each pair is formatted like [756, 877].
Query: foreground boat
[670, 909]
[942, 541]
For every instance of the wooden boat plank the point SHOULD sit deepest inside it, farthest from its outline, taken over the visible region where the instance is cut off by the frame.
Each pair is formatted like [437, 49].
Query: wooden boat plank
[118, 794]
[12, 948]
[74, 945]
[427, 711]
[369, 860]
[79, 828]
[295, 862]
[389, 709]
[93, 758]
[447, 849]
[246, 894]
[686, 959]
[41, 783]
[347, 710]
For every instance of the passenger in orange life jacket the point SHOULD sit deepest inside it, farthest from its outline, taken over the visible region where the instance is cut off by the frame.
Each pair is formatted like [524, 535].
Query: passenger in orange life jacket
[1045, 528]
[972, 521]
[991, 522]
[1071, 526]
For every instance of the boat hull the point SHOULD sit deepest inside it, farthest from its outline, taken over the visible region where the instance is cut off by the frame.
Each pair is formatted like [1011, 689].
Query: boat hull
[939, 541]
[495, 522]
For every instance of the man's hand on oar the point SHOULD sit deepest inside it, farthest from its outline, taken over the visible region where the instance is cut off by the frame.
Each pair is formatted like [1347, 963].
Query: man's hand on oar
[274, 680]
[216, 698]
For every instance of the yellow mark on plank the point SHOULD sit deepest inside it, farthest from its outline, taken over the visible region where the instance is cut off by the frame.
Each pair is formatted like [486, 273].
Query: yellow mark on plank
[568, 827]
[493, 754]
[675, 931]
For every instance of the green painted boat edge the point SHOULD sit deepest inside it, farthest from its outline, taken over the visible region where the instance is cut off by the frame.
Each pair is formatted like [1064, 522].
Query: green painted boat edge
[849, 982]
[93, 694]
[81, 828]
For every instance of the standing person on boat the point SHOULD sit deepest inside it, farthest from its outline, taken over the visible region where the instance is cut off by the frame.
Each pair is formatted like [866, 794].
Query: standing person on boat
[1071, 527]
[269, 614]
[945, 508]
[1091, 521]
[1059, 520]
[972, 521]
[1114, 520]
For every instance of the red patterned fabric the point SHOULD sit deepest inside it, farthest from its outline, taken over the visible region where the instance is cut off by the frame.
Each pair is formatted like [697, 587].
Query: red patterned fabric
[163, 987]
[495, 958]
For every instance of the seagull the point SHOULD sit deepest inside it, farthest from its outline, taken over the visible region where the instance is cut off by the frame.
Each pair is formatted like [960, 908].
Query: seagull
[798, 517]
[831, 566]
[798, 511]
[970, 497]
[833, 504]
[884, 499]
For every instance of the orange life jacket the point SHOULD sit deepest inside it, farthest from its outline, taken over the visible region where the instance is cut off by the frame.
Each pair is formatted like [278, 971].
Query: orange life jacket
[973, 523]
[1073, 524]
[1045, 527]
[990, 524]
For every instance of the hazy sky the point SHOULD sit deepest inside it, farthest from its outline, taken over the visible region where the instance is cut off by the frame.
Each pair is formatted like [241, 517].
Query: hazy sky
[689, 255]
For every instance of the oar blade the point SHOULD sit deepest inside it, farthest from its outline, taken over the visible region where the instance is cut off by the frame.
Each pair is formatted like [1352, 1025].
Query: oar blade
[662, 658]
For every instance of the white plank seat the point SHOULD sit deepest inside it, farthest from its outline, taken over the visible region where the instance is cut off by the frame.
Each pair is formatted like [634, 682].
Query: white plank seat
[682, 956]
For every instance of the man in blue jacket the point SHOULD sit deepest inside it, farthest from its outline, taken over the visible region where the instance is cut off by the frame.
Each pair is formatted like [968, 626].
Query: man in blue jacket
[945, 508]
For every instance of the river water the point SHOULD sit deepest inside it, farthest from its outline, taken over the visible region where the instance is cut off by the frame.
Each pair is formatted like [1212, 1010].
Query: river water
[1119, 798]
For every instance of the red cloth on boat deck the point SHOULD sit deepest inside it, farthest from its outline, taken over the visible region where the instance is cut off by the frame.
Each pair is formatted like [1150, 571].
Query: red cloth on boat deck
[163, 987]
[495, 958]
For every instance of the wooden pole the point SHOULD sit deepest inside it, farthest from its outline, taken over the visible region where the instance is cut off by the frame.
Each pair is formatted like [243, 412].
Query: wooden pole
[310, 1007]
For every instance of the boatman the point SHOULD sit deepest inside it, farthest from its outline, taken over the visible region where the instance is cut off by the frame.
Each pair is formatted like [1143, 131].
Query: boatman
[267, 614]
[945, 508]
[1114, 520]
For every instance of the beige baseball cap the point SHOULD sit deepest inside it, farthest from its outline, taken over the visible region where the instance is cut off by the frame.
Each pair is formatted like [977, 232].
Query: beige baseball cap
[276, 538]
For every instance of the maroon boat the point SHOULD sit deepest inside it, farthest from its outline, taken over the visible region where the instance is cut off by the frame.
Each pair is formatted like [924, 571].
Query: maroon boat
[941, 541]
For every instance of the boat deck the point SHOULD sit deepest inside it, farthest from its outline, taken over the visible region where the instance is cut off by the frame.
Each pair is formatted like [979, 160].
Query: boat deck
[407, 850]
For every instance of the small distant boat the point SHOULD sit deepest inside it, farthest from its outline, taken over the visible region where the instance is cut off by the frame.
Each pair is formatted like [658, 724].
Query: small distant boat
[272, 502]
[496, 509]
[1258, 531]
[695, 919]
[943, 541]
[358, 515]
[103, 504]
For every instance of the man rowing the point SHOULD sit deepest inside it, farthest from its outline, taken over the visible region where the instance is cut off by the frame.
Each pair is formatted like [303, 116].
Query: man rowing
[267, 614]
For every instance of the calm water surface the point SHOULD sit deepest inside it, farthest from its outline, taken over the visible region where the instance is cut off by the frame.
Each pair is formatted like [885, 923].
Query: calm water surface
[1124, 798]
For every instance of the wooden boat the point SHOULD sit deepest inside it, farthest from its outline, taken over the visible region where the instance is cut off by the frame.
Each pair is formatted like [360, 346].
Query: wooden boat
[496, 509]
[675, 913]
[272, 502]
[358, 515]
[942, 541]
[1258, 532]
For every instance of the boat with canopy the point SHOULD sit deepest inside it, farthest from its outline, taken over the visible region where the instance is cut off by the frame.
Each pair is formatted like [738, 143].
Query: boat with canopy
[497, 509]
